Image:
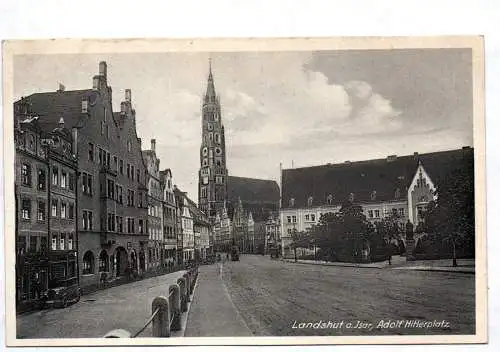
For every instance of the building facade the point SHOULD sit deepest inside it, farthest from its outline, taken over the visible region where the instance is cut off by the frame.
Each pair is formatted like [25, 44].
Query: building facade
[45, 191]
[168, 221]
[185, 226]
[395, 187]
[154, 200]
[111, 183]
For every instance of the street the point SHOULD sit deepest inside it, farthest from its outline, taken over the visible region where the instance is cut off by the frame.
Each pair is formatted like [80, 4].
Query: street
[278, 299]
[121, 307]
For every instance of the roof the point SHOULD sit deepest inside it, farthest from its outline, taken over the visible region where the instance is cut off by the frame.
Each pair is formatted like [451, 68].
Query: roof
[258, 196]
[50, 106]
[361, 178]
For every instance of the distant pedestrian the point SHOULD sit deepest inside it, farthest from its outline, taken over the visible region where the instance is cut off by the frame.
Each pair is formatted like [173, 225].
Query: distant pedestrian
[390, 257]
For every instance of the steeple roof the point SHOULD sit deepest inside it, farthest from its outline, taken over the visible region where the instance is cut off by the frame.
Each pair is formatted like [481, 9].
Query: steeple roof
[210, 95]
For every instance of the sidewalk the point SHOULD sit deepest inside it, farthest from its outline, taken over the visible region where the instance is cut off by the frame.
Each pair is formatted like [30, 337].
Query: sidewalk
[400, 263]
[212, 313]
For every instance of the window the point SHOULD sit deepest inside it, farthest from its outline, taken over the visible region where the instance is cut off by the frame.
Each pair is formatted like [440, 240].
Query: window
[115, 163]
[121, 167]
[88, 263]
[394, 211]
[289, 219]
[373, 195]
[64, 179]
[41, 179]
[41, 211]
[26, 209]
[63, 210]
[62, 241]
[70, 241]
[310, 201]
[351, 197]
[32, 142]
[120, 224]
[397, 193]
[102, 127]
[102, 156]
[71, 181]
[54, 242]
[87, 183]
[91, 152]
[55, 176]
[120, 194]
[130, 198]
[26, 174]
[111, 222]
[43, 244]
[307, 217]
[128, 170]
[141, 226]
[329, 199]
[370, 213]
[33, 243]
[138, 175]
[291, 202]
[294, 219]
[111, 189]
[130, 225]
[87, 220]
[54, 208]
[313, 217]
[129, 145]
[217, 138]
[402, 211]
[377, 213]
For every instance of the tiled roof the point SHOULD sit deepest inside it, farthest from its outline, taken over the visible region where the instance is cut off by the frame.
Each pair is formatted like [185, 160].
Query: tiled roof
[50, 106]
[258, 196]
[384, 176]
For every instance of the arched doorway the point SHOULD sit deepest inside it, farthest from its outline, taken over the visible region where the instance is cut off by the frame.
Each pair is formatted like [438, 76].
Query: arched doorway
[120, 261]
[88, 263]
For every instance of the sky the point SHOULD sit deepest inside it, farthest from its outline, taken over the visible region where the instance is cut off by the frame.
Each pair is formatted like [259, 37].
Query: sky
[295, 108]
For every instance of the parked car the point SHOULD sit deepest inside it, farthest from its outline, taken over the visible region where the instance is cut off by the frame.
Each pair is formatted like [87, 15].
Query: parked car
[62, 296]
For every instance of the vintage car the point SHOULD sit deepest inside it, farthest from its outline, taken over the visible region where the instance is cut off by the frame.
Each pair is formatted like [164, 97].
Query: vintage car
[62, 296]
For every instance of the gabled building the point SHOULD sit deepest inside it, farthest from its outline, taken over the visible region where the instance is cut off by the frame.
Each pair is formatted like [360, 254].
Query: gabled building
[168, 223]
[398, 185]
[111, 183]
[154, 204]
[45, 191]
[185, 226]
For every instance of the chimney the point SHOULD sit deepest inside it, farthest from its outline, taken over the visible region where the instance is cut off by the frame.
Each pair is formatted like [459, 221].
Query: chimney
[61, 122]
[103, 69]
[85, 106]
[153, 144]
[95, 82]
[391, 158]
[123, 107]
[62, 88]
[128, 95]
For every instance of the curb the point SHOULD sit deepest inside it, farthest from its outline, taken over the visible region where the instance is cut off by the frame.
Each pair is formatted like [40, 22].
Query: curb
[386, 267]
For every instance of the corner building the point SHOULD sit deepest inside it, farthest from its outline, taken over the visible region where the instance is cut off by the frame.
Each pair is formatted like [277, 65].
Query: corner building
[112, 176]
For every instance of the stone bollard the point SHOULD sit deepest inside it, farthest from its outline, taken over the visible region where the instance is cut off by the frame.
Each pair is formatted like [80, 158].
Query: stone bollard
[183, 291]
[117, 333]
[174, 294]
[161, 322]
[188, 286]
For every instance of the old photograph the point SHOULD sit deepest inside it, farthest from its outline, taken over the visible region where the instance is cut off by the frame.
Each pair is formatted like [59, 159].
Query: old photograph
[320, 191]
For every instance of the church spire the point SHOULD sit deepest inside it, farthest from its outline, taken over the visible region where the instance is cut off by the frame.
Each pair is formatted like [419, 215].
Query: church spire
[210, 95]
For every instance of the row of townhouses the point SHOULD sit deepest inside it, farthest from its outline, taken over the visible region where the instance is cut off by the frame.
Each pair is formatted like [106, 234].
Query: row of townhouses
[90, 202]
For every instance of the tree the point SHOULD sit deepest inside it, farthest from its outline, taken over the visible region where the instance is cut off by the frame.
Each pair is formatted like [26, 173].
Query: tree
[342, 234]
[300, 240]
[452, 215]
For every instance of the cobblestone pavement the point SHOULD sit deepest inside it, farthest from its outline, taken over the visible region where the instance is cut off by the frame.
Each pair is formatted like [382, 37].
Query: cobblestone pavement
[274, 298]
[122, 307]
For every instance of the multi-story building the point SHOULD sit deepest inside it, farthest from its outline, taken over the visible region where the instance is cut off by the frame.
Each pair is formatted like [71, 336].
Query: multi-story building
[185, 226]
[400, 187]
[168, 222]
[155, 195]
[202, 227]
[112, 195]
[45, 188]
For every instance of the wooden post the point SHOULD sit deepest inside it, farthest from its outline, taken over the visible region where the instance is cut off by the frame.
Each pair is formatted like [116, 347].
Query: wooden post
[175, 306]
[161, 322]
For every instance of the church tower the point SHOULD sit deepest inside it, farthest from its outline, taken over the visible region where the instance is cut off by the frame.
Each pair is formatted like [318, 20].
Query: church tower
[212, 184]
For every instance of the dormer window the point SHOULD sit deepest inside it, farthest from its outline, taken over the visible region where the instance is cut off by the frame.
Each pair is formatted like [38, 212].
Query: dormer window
[397, 193]
[329, 199]
[310, 201]
[291, 202]
[351, 197]
[374, 195]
